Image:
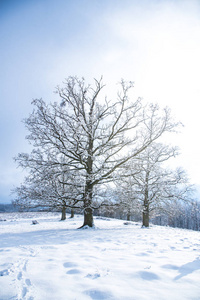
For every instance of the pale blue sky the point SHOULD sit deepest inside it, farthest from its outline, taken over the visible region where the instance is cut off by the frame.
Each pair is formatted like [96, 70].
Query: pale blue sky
[154, 43]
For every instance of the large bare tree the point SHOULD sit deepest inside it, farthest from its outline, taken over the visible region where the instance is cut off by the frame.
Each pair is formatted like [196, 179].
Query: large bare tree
[95, 136]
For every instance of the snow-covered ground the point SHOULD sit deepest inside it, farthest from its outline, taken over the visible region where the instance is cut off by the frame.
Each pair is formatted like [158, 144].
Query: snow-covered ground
[53, 260]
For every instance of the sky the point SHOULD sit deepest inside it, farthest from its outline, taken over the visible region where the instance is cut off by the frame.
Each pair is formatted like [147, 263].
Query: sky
[154, 43]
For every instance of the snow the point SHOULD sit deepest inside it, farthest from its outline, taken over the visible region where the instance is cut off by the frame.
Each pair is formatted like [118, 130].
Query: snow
[115, 260]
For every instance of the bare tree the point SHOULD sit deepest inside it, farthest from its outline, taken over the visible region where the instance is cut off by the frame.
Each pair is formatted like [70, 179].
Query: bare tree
[126, 193]
[95, 137]
[49, 190]
[155, 185]
[185, 215]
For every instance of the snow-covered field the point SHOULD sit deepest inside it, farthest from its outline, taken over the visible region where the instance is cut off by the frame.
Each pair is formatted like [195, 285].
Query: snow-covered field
[53, 260]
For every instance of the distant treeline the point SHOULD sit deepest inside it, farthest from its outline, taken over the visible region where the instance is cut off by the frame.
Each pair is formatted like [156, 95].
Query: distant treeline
[8, 208]
[183, 216]
[15, 208]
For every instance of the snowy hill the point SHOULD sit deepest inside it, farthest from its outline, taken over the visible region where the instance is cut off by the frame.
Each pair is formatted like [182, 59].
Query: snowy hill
[52, 260]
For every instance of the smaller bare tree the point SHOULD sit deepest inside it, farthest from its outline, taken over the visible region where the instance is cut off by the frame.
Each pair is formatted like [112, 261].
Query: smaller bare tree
[48, 187]
[155, 185]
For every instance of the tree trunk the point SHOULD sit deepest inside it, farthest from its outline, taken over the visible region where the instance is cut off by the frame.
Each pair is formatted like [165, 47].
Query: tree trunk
[88, 194]
[145, 218]
[72, 213]
[128, 216]
[88, 211]
[145, 214]
[63, 217]
[88, 217]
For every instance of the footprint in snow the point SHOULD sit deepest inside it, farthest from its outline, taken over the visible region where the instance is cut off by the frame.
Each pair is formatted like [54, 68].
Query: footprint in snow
[28, 282]
[93, 276]
[24, 267]
[4, 272]
[73, 271]
[69, 264]
[24, 291]
[148, 275]
[98, 294]
[170, 267]
[19, 276]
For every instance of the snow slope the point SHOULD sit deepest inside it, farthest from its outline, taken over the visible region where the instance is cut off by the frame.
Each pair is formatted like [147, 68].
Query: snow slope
[53, 260]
